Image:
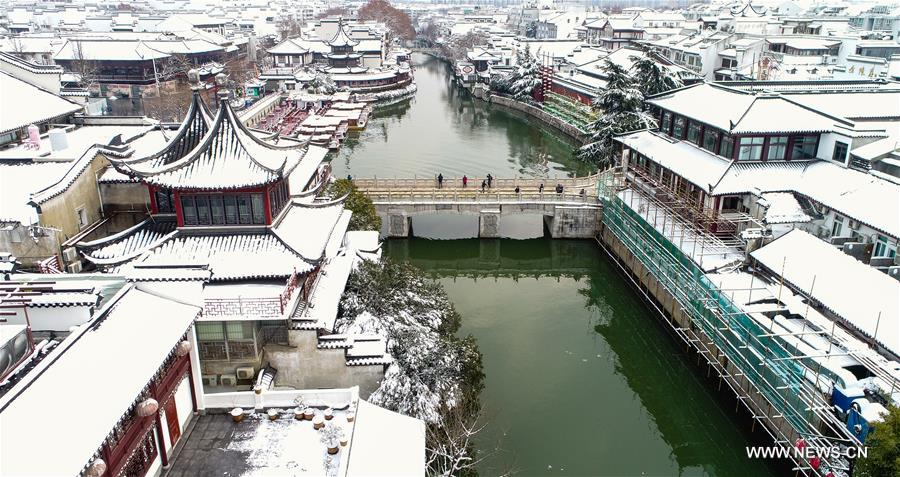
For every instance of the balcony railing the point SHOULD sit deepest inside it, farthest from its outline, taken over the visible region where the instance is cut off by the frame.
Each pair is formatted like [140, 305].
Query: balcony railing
[256, 307]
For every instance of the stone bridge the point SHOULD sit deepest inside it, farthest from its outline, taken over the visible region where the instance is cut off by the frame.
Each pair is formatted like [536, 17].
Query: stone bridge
[573, 213]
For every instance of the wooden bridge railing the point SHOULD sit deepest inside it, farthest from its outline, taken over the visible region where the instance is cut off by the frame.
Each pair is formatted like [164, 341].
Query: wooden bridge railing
[525, 184]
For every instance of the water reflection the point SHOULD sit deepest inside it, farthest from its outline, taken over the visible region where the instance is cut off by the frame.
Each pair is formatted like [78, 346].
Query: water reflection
[443, 129]
[581, 378]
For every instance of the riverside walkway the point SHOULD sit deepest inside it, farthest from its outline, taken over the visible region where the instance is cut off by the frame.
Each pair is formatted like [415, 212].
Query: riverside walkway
[567, 214]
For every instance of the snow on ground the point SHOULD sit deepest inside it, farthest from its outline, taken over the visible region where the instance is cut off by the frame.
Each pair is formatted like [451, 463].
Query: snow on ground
[286, 446]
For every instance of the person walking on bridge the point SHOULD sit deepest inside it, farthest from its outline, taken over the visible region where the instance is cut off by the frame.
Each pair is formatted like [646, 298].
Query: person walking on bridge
[541, 188]
[490, 180]
[518, 190]
[465, 180]
[483, 185]
[440, 181]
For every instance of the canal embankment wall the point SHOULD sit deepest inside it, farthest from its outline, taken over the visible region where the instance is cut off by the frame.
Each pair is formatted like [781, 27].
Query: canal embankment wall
[539, 114]
[696, 341]
[735, 362]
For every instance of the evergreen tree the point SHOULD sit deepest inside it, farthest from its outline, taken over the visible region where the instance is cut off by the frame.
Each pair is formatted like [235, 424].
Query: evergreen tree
[884, 448]
[621, 107]
[364, 215]
[651, 77]
[521, 83]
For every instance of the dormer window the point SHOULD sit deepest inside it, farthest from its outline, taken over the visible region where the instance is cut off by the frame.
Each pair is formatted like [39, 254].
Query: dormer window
[804, 147]
[751, 148]
[666, 123]
[694, 132]
[678, 130]
[777, 148]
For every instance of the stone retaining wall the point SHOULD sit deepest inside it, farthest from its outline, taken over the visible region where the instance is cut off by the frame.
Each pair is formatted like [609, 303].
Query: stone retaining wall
[540, 114]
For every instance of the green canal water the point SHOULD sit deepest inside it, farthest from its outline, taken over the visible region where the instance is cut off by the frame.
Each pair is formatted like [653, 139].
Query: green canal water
[581, 378]
[443, 129]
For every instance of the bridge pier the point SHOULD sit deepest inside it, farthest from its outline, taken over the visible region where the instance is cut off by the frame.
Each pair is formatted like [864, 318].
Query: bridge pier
[574, 222]
[399, 224]
[489, 224]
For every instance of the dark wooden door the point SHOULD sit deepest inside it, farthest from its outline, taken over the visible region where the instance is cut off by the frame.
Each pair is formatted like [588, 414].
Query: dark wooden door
[172, 421]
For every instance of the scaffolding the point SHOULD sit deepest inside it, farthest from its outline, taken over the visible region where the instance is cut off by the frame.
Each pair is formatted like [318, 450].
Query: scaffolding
[752, 360]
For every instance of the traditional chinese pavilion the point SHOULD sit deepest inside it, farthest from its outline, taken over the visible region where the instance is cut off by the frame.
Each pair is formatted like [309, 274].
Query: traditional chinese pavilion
[221, 194]
[342, 53]
[248, 208]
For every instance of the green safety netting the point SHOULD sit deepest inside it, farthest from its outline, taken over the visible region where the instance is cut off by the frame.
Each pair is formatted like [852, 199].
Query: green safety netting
[766, 363]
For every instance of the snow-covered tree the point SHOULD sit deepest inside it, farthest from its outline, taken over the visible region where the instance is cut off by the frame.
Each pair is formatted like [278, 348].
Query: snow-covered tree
[621, 107]
[432, 367]
[521, 83]
[321, 84]
[652, 77]
[435, 375]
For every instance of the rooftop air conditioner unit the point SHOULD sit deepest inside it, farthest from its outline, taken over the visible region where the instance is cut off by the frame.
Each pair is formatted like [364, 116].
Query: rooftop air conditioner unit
[228, 380]
[70, 255]
[74, 267]
[245, 372]
[210, 379]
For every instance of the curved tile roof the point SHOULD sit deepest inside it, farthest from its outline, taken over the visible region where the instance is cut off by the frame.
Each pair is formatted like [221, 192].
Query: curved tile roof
[231, 256]
[341, 38]
[195, 126]
[223, 154]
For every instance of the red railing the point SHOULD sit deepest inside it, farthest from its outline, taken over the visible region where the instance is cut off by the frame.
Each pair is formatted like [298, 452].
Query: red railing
[161, 388]
[289, 288]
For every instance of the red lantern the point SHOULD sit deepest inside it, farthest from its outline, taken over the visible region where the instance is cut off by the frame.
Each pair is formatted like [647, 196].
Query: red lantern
[800, 443]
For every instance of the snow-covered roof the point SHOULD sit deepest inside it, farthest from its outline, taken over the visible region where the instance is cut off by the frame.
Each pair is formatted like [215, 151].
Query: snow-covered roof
[341, 37]
[132, 340]
[231, 256]
[129, 243]
[852, 104]
[784, 209]
[226, 156]
[24, 104]
[851, 289]
[699, 166]
[740, 112]
[369, 45]
[751, 176]
[804, 43]
[858, 195]
[190, 134]
[109, 50]
[774, 114]
[291, 46]
[78, 140]
[306, 228]
[374, 76]
[183, 47]
[325, 296]
[403, 454]
[19, 181]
